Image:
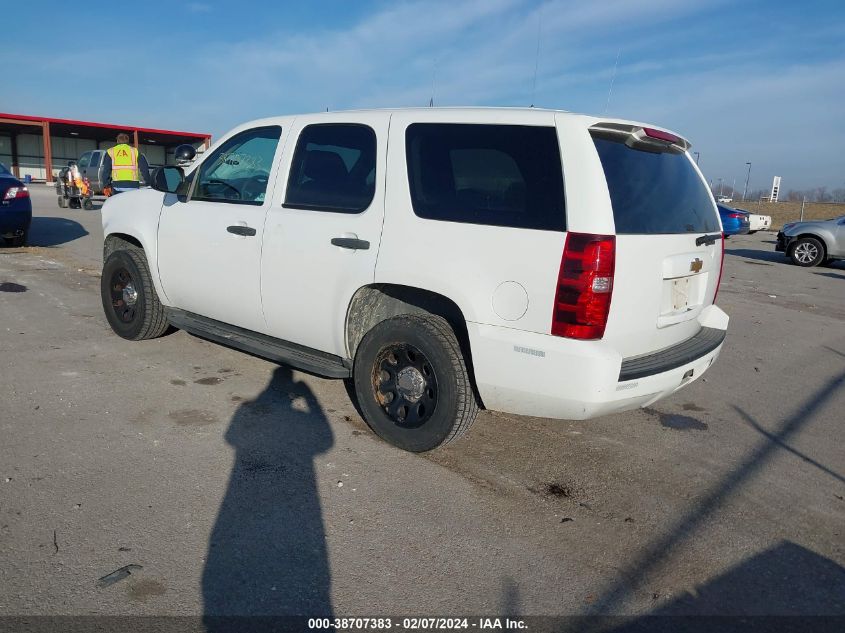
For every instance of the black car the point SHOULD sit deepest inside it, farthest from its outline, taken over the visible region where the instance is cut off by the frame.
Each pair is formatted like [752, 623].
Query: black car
[15, 209]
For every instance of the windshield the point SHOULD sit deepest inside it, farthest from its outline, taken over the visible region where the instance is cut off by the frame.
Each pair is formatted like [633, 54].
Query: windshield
[655, 192]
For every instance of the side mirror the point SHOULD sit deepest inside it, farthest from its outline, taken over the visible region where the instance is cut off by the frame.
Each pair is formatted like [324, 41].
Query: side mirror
[168, 179]
[185, 153]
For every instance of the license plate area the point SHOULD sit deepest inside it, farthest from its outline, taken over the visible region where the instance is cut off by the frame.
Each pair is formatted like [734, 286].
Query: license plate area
[682, 299]
[680, 290]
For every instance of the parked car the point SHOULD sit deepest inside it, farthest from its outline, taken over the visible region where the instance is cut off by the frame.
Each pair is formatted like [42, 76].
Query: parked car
[430, 258]
[724, 199]
[734, 221]
[757, 222]
[814, 242]
[15, 209]
[91, 167]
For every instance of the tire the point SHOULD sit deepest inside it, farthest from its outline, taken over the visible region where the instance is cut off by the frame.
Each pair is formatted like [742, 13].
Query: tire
[130, 302]
[428, 399]
[807, 252]
[22, 240]
[62, 202]
[87, 204]
[751, 232]
[73, 203]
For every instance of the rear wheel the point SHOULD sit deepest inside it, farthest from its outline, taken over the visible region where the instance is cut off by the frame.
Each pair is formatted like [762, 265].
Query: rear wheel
[412, 383]
[87, 204]
[62, 202]
[22, 239]
[130, 302]
[807, 251]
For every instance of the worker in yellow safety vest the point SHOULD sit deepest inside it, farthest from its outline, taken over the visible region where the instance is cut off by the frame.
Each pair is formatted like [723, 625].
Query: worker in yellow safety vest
[124, 167]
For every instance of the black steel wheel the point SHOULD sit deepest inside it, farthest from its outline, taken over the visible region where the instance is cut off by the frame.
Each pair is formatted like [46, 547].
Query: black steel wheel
[130, 302]
[411, 383]
[124, 295]
[405, 385]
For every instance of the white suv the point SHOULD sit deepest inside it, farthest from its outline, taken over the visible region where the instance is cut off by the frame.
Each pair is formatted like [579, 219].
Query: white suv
[529, 261]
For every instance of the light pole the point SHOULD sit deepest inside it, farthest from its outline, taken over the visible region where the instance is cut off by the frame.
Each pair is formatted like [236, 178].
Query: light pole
[697, 156]
[747, 176]
[720, 187]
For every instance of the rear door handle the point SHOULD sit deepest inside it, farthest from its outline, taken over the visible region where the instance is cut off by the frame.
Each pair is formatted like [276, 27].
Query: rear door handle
[351, 242]
[240, 229]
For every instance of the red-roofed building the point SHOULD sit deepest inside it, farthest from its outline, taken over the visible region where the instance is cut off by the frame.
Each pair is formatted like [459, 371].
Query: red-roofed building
[40, 146]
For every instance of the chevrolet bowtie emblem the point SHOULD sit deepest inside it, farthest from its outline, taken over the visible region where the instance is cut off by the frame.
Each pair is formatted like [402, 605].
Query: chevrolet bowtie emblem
[695, 265]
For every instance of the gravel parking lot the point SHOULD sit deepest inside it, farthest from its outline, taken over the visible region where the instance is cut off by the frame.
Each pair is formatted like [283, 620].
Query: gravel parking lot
[238, 486]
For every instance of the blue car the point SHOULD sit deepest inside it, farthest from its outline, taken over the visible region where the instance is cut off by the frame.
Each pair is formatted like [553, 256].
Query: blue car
[734, 221]
[15, 209]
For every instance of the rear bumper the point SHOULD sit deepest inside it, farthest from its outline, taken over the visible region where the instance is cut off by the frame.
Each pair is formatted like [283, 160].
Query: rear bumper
[546, 376]
[15, 219]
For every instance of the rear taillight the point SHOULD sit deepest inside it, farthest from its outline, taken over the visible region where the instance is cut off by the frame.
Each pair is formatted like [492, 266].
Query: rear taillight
[584, 286]
[721, 268]
[738, 216]
[661, 135]
[16, 192]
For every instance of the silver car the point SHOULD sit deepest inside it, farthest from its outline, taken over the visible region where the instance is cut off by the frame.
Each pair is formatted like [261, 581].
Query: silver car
[814, 242]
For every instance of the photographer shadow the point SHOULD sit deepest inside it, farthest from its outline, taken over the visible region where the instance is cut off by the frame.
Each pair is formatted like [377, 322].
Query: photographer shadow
[267, 554]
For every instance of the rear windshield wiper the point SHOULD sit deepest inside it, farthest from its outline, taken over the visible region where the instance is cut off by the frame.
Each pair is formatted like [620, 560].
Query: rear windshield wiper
[708, 239]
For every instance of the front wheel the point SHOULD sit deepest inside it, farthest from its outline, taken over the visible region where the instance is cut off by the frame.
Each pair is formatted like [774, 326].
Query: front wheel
[87, 204]
[412, 383]
[806, 252]
[130, 302]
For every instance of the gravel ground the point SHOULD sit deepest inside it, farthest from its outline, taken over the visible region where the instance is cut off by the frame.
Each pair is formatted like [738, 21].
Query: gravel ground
[238, 486]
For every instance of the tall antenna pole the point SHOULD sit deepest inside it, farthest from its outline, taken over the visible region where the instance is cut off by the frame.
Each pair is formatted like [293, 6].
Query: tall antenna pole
[536, 56]
[612, 78]
[433, 85]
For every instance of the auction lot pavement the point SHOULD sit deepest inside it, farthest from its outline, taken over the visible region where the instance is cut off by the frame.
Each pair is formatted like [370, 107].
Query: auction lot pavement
[241, 487]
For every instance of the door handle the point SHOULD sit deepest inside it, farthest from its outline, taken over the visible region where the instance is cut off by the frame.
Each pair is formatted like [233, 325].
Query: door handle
[352, 243]
[240, 229]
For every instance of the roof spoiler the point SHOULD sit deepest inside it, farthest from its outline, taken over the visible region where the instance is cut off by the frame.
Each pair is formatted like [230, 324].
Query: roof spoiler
[643, 138]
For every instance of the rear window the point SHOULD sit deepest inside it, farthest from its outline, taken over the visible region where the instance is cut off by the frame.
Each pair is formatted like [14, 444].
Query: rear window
[499, 175]
[654, 193]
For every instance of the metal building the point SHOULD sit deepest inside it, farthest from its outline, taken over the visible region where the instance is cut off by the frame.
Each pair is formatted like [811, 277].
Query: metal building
[40, 146]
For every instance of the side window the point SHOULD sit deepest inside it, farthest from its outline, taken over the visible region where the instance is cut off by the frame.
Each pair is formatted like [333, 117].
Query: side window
[83, 160]
[238, 170]
[333, 169]
[95, 159]
[499, 175]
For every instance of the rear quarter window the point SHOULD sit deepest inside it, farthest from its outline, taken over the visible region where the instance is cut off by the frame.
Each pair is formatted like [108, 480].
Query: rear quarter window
[655, 192]
[498, 175]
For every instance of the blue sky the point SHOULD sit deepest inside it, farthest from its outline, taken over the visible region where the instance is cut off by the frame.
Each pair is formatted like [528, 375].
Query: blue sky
[744, 81]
